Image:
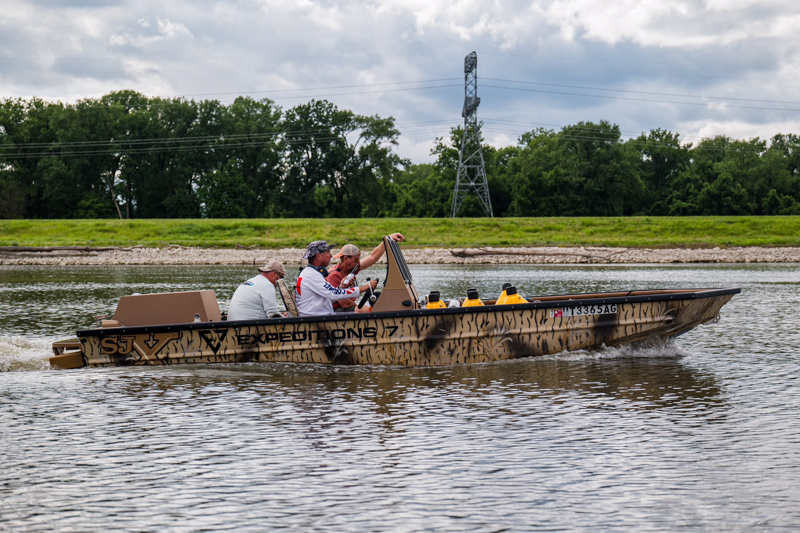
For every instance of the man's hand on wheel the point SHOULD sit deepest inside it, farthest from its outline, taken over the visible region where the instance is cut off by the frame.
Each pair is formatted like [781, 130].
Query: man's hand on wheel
[372, 283]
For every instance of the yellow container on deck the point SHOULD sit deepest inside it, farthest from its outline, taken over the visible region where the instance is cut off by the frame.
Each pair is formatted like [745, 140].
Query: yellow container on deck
[472, 299]
[502, 298]
[434, 302]
[512, 297]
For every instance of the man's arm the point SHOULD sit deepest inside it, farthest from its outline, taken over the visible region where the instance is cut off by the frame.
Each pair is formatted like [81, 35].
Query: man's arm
[335, 278]
[379, 250]
[269, 301]
[333, 294]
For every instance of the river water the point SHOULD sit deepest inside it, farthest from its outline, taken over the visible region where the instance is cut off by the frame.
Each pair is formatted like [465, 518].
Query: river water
[699, 434]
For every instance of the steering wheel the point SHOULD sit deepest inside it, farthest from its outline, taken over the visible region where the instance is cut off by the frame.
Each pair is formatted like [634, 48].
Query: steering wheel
[370, 296]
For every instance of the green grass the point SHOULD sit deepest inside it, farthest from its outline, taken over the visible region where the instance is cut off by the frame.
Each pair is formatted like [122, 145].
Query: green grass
[662, 232]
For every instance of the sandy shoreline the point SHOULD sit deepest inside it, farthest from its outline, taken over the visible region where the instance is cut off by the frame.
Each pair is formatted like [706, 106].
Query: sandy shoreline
[537, 255]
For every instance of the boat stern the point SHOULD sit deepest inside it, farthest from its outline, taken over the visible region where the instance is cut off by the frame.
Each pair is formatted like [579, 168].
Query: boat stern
[68, 354]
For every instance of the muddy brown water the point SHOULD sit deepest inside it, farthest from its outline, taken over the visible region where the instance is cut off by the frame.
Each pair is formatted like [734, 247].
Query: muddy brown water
[697, 434]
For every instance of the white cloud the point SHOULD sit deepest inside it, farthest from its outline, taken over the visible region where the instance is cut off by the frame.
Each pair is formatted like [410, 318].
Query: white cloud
[682, 24]
[141, 35]
[171, 29]
[694, 131]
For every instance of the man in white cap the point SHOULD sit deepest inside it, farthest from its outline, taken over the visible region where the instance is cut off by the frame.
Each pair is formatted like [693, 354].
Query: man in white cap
[255, 298]
[314, 294]
[350, 262]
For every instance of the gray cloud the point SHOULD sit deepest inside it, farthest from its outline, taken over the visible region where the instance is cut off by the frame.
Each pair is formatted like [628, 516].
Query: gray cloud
[271, 48]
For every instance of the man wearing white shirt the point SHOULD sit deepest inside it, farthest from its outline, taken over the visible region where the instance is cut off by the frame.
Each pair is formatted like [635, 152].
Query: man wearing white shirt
[315, 296]
[255, 298]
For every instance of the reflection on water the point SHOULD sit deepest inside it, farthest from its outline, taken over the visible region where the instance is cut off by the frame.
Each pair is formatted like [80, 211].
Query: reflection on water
[646, 382]
[699, 433]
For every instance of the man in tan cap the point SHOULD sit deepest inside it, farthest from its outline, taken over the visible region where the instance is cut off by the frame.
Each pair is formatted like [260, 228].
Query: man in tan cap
[255, 298]
[350, 262]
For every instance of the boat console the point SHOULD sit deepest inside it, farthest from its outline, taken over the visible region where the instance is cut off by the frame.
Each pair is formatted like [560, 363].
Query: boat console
[399, 292]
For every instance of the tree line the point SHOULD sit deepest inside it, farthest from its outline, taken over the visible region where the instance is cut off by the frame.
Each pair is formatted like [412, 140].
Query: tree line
[126, 155]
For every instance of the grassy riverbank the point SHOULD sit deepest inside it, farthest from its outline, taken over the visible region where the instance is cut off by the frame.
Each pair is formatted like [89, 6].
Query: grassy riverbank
[661, 232]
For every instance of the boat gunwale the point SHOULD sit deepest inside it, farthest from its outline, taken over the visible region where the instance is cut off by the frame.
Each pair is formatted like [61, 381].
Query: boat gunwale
[668, 295]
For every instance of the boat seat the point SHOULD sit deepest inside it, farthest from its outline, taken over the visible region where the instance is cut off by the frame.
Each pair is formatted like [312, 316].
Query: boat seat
[288, 298]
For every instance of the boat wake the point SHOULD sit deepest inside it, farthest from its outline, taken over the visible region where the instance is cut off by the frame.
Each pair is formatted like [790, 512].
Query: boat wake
[18, 354]
[653, 349]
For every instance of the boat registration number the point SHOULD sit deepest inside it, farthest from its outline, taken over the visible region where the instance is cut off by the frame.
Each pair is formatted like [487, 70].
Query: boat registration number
[581, 310]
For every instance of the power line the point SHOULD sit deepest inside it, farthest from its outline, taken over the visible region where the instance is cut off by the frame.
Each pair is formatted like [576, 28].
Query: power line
[645, 92]
[638, 142]
[212, 142]
[317, 96]
[617, 73]
[221, 137]
[227, 146]
[323, 88]
[329, 87]
[533, 125]
[162, 149]
[606, 97]
[628, 61]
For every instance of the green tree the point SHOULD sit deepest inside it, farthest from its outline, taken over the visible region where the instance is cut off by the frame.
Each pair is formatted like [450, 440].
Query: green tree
[252, 130]
[723, 166]
[779, 204]
[167, 150]
[27, 139]
[662, 160]
[422, 192]
[87, 135]
[350, 154]
[543, 184]
[225, 193]
[580, 171]
[607, 170]
[724, 196]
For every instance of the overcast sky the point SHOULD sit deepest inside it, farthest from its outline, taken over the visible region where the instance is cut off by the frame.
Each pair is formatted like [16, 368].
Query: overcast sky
[698, 68]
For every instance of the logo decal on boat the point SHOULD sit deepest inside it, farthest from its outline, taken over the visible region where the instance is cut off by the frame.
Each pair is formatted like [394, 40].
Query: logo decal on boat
[155, 343]
[318, 335]
[213, 338]
[145, 346]
[116, 344]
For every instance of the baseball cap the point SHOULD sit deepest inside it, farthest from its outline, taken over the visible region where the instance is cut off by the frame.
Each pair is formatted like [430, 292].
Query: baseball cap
[348, 249]
[273, 266]
[317, 247]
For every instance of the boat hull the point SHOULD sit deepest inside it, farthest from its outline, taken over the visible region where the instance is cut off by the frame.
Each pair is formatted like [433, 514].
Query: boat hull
[416, 338]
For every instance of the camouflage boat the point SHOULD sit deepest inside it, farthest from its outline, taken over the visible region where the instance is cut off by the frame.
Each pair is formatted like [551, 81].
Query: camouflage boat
[187, 328]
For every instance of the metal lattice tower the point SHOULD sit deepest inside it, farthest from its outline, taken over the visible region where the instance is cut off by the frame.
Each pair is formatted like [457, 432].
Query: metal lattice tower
[471, 175]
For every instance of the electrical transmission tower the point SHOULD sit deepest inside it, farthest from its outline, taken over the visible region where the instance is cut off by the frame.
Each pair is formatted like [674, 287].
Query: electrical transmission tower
[471, 175]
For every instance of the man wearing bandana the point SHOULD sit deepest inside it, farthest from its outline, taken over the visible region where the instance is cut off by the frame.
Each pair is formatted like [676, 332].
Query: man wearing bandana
[315, 296]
